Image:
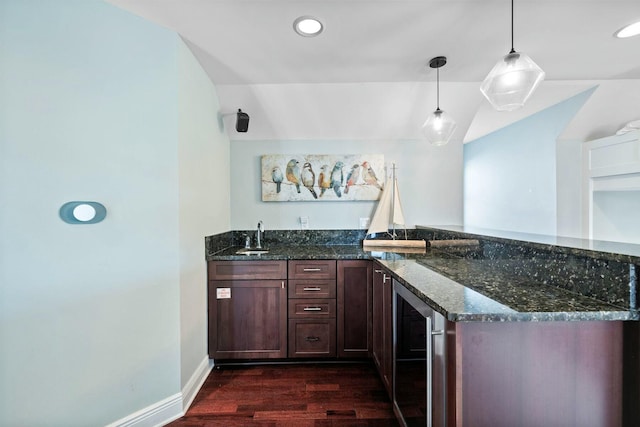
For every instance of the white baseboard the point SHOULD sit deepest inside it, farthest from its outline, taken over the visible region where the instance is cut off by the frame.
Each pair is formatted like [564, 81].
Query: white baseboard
[171, 408]
[193, 386]
[158, 414]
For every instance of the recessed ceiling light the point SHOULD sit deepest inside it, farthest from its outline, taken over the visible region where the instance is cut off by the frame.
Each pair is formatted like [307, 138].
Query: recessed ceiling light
[307, 26]
[628, 31]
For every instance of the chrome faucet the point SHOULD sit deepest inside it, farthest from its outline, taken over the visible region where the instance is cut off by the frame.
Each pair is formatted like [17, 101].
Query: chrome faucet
[259, 236]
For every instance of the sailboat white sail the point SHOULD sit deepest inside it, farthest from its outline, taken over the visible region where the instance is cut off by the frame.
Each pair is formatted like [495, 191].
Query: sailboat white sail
[389, 210]
[388, 214]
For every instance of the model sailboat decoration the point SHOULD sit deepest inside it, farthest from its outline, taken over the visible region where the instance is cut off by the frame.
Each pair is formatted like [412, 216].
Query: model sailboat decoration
[389, 214]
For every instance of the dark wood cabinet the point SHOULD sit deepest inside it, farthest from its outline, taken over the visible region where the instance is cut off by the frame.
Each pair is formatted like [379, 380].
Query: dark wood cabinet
[354, 298]
[312, 308]
[382, 327]
[536, 374]
[312, 337]
[247, 304]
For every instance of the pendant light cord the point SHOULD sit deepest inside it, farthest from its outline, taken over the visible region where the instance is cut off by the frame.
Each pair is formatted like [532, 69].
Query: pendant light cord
[436, 63]
[512, 49]
[437, 88]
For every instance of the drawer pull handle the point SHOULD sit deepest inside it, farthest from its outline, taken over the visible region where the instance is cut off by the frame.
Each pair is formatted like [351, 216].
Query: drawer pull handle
[311, 269]
[312, 289]
[312, 309]
[312, 339]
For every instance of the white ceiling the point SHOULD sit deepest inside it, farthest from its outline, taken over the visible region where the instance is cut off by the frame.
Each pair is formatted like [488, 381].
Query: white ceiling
[252, 42]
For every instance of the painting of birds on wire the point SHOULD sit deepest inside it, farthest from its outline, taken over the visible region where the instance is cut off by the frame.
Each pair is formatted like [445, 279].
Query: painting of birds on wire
[321, 177]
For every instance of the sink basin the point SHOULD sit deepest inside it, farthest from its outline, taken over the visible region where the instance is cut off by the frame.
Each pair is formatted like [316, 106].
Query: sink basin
[252, 251]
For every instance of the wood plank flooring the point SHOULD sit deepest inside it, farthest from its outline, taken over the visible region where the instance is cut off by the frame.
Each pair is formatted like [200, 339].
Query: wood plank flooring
[304, 395]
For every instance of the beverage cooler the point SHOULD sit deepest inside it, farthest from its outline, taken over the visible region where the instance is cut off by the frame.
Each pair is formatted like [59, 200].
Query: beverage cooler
[419, 388]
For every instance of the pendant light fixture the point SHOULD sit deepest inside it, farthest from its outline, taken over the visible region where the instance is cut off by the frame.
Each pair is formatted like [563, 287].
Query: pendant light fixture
[513, 79]
[439, 126]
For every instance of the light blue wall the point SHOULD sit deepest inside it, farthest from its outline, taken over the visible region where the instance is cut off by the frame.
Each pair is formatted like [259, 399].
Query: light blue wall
[89, 314]
[430, 181]
[510, 176]
[204, 193]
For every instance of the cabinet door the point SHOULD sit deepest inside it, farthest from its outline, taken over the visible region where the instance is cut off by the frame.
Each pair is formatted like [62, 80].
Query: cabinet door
[248, 319]
[382, 333]
[354, 308]
[387, 304]
[377, 332]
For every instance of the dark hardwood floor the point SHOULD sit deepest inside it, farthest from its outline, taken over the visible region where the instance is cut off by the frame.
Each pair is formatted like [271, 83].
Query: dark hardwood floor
[301, 395]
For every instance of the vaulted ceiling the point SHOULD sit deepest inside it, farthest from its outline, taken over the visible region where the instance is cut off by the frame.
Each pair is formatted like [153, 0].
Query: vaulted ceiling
[247, 43]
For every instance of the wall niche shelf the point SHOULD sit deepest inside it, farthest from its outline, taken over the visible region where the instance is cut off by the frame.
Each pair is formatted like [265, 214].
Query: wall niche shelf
[611, 165]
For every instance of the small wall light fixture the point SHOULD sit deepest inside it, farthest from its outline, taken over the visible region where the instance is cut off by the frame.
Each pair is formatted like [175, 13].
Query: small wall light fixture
[308, 26]
[242, 121]
[630, 30]
[439, 126]
[512, 80]
[82, 212]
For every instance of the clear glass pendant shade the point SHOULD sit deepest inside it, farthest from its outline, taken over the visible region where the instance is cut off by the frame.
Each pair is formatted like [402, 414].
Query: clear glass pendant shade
[512, 81]
[439, 127]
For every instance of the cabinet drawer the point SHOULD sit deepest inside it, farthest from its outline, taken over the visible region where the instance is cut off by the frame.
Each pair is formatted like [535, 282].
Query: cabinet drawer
[247, 270]
[316, 308]
[312, 338]
[312, 288]
[312, 269]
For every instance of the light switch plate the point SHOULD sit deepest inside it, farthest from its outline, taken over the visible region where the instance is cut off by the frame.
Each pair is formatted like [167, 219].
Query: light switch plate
[304, 222]
[364, 223]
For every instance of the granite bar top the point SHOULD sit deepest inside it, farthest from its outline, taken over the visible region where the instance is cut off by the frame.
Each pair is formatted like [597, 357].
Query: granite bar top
[466, 290]
[601, 249]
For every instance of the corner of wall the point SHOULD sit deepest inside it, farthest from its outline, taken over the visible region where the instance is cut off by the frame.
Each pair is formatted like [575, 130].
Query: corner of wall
[204, 206]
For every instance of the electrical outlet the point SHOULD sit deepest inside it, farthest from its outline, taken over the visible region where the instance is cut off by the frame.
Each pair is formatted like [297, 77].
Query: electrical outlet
[304, 222]
[364, 223]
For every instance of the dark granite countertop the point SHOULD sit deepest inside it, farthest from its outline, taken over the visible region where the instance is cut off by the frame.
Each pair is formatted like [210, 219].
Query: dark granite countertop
[462, 288]
[465, 290]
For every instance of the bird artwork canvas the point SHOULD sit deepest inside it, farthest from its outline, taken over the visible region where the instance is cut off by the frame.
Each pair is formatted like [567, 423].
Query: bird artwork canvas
[321, 177]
